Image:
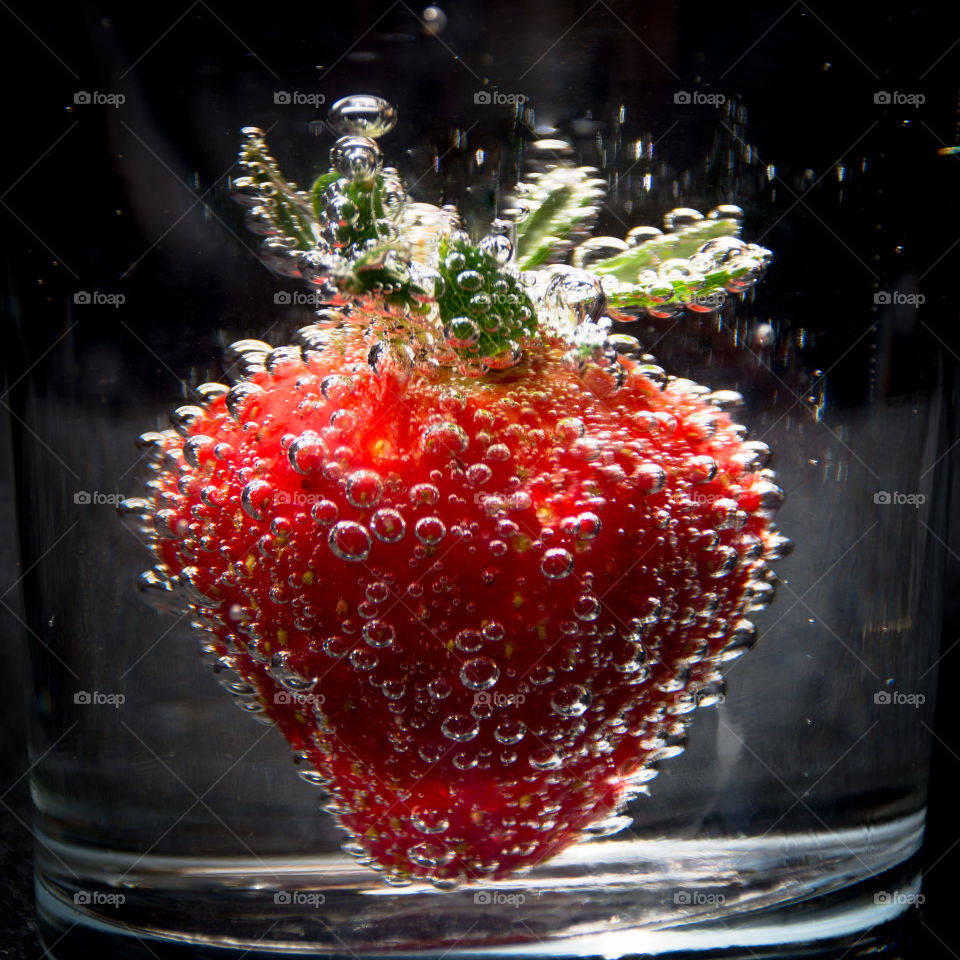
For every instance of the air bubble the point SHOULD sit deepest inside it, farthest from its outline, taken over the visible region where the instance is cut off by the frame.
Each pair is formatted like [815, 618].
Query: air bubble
[509, 732]
[430, 530]
[545, 758]
[429, 855]
[479, 674]
[362, 115]
[378, 633]
[445, 437]
[388, 525]
[349, 541]
[357, 158]
[364, 489]
[325, 512]
[460, 727]
[336, 387]
[306, 454]
[570, 700]
[556, 564]
[256, 495]
[462, 332]
[587, 607]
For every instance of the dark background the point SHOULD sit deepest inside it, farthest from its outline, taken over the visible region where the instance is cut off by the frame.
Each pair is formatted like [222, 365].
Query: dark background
[92, 199]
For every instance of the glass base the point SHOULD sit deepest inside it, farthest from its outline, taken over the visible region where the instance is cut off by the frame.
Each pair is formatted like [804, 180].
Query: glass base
[609, 899]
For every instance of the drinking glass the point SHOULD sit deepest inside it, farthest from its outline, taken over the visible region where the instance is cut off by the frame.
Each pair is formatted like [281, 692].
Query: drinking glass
[168, 822]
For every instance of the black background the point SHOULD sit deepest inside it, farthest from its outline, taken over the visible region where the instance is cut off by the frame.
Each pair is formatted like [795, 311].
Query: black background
[807, 72]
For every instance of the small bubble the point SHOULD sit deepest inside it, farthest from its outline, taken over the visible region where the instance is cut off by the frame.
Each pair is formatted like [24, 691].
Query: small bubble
[493, 631]
[469, 280]
[336, 387]
[556, 564]
[349, 541]
[307, 453]
[364, 489]
[478, 473]
[439, 688]
[570, 700]
[651, 477]
[430, 530]
[570, 429]
[378, 633]
[430, 821]
[336, 646]
[256, 495]
[429, 855]
[460, 727]
[445, 437]
[542, 675]
[479, 674]
[510, 731]
[468, 641]
[357, 158]
[362, 115]
[462, 332]
[587, 607]
[325, 512]
[497, 452]
[388, 525]
[545, 758]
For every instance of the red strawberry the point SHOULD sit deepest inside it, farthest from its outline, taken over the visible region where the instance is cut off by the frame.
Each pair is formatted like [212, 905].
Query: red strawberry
[481, 608]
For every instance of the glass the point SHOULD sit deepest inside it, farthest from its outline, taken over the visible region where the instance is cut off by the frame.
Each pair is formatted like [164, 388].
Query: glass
[168, 821]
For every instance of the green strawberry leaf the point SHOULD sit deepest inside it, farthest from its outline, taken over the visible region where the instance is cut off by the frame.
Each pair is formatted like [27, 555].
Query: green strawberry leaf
[560, 200]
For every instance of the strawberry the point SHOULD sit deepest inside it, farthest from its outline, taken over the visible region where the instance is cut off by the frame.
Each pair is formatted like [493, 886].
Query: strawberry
[478, 598]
